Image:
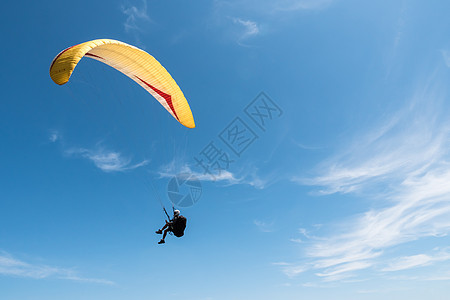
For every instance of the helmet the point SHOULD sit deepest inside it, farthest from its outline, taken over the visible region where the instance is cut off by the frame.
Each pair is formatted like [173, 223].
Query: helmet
[176, 212]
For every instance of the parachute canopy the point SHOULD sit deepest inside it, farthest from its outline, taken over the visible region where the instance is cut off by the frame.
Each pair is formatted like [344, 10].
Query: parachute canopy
[133, 62]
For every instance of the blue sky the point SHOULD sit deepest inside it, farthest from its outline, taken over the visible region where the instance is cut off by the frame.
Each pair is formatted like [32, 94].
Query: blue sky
[343, 194]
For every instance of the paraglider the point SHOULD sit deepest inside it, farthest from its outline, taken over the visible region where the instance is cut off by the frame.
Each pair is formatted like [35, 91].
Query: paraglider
[133, 62]
[148, 73]
[176, 225]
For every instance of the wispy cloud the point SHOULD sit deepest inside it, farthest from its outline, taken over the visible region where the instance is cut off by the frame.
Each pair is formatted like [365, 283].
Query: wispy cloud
[297, 240]
[413, 261]
[443, 277]
[265, 226]
[412, 141]
[243, 20]
[175, 168]
[305, 147]
[225, 177]
[106, 160]
[10, 266]
[54, 136]
[398, 33]
[291, 270]
[408, 262]
[343, 271]
[403, 166]
[446, 57]
[247, 29]
[294, 5]
[136, 18]
[273, 7]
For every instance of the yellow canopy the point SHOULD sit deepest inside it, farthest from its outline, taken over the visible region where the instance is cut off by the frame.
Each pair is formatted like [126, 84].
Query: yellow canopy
[133, 62]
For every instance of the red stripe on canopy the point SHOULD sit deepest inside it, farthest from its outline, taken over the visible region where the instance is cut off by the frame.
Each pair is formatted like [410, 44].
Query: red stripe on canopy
[93, 55]
[57, 56]
[166, 97]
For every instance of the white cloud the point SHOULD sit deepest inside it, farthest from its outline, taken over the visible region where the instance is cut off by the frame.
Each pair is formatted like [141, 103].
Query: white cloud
[306, 147]
[409, 142]
[264, 226]
[257, 182]
[299, 241]
[305, 233]
[281, 263]
[403, 166]
[342, 271]
[265, 14]
[408, 262]
[249, 28]
[446, 57]
[10, 266]
[134, 16]
[295, 5]
[273, 7]
[136, 19]
[438, 278]
[367, 291]
[293, 270]
[223, 176]
[419, 260]
[106, 160]
[54, 136]
[175, 168]
[399, 31]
